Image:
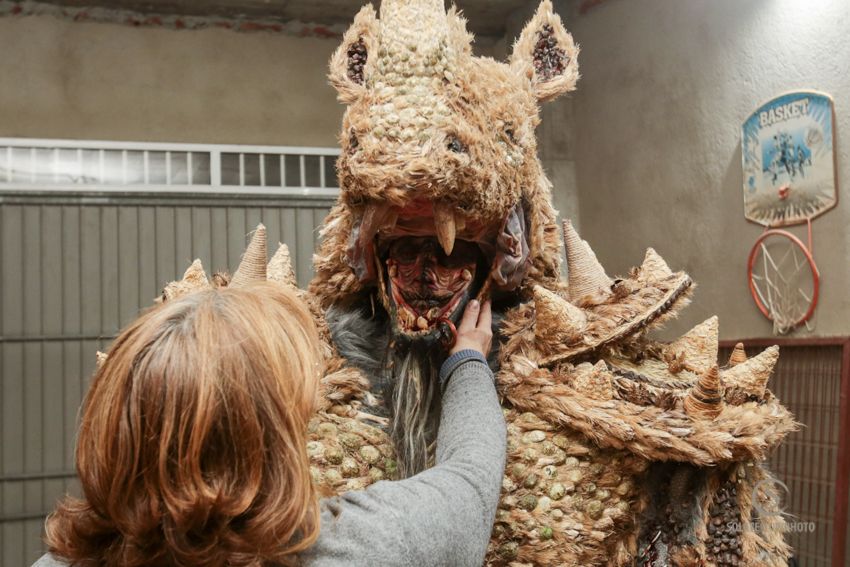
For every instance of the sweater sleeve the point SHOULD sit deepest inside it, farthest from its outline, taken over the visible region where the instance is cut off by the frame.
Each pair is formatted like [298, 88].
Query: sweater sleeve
[48, 560]
[442, 516]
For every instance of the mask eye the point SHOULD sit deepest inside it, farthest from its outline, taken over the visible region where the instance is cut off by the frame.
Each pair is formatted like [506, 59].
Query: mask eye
[456, 145]
[463, 255]
[511, 135]
[407, 250]
[353, 142]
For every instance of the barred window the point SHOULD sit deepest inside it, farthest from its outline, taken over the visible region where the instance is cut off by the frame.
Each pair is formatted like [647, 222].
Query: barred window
[121, 166]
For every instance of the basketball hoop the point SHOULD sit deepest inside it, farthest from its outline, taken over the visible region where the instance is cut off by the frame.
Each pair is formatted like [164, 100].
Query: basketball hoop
[784, 279]
[788, 159]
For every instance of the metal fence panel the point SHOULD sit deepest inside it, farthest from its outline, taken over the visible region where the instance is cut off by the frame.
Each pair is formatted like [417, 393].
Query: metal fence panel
[77, 264]
[165, 168]
[71, 277]
[74, 268]
[807, 380]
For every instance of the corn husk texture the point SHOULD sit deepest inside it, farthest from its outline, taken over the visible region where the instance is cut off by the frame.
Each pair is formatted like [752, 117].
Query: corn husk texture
[622, 449]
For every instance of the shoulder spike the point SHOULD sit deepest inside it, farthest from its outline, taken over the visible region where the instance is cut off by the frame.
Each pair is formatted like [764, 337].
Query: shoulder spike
[253, 265]
[738, 356]
[194, 279]
[280, 267]
[586, 276]
[654, 267]
[195, 275]
[705, 398]
[699, 345]
[753, 375]
[557, 319]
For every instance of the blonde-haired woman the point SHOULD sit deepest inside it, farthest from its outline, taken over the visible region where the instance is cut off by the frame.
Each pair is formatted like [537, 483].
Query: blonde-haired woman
[192, 450]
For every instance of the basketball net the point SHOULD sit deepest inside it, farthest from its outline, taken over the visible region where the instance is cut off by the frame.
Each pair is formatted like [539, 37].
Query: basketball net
[783, 283]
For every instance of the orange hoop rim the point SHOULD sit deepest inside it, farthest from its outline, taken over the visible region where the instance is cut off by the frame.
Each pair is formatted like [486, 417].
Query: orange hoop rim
[806, 253]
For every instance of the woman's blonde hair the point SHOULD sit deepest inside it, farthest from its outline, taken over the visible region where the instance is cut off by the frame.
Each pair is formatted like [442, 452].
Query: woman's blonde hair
[192, 446]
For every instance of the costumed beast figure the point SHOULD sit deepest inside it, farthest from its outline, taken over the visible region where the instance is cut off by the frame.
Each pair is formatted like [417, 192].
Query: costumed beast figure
[621, 450]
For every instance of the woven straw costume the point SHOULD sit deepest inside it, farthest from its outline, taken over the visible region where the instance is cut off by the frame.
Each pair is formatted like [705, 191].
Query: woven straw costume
[621, 450]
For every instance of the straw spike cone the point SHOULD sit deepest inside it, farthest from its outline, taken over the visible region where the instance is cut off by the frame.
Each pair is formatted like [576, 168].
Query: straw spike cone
[738, 356]
[280, 267]
[753, 375]
[194, 279]
[558, 320]
[654, 267]
[195, 275]
[705, 399]
[586, 276]
[699, 345]
[253, 265]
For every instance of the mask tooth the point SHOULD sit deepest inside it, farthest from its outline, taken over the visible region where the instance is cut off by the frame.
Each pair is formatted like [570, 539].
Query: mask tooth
[374, 218]
[388, 221]
[446, 227]
[409, 319]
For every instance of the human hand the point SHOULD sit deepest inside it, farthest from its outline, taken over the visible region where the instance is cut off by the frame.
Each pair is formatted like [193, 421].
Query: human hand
[475, 331]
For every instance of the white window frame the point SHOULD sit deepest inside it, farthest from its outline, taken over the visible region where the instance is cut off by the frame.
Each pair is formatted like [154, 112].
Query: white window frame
[215, 152]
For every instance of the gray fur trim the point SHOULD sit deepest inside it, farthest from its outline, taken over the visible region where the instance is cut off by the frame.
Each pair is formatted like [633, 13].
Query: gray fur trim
[363, 337]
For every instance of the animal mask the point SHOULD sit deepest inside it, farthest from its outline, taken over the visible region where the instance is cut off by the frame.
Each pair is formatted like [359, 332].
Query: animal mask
[442, 194]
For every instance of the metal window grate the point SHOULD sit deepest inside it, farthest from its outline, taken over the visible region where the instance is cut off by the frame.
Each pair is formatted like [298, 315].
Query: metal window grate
[72, 165]
[808, 380]
[89, 234]
[74, 269]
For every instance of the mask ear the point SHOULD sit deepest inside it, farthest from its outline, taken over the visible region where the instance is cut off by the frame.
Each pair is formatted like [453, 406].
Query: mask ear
[348, 67]
[546, 55]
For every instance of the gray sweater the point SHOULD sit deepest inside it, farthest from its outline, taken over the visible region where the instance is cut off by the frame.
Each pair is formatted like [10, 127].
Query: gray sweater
[440, 517]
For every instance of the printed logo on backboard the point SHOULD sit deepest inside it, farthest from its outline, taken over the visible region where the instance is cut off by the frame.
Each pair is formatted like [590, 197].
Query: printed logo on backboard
[788, 159]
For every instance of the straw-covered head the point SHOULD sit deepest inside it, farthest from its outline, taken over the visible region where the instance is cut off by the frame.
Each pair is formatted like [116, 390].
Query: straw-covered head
[438, 145]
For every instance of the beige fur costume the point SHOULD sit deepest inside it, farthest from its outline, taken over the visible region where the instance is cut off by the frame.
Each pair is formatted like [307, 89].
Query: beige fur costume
[622, 450]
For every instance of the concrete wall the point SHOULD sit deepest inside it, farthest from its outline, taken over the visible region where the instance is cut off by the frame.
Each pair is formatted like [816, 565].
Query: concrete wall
[60, 79]
[115, 82]
[645, 153]
[665, 87]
